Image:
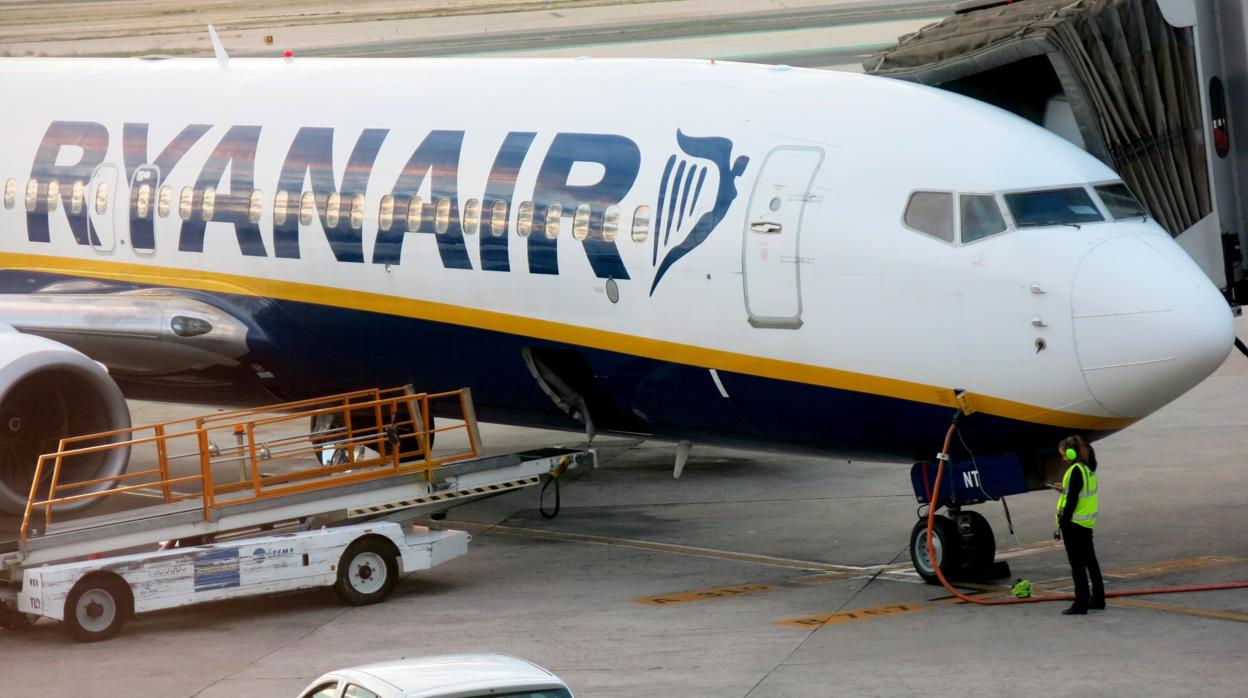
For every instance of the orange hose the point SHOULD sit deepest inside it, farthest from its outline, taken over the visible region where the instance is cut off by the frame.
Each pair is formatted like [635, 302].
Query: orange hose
[931, 556]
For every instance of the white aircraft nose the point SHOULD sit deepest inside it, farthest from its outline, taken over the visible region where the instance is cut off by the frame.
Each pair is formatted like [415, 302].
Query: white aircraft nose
[1148, 323]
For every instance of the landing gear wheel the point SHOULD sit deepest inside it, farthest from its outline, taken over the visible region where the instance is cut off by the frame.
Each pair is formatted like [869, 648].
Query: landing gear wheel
[983, 543]
[96, 608]
[367, 572]
[945, 544]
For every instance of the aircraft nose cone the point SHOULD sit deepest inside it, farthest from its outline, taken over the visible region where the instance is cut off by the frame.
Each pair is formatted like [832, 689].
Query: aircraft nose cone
[1148, 324]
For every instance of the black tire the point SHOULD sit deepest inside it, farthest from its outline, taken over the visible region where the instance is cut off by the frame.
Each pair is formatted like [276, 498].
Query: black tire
[983, 543]
[97, 607]
[367, 572]
[946, 544]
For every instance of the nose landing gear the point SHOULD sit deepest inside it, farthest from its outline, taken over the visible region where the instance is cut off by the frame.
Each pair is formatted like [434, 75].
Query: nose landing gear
[964, 544]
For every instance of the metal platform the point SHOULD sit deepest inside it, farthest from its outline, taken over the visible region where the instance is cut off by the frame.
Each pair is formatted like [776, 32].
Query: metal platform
[337, 474]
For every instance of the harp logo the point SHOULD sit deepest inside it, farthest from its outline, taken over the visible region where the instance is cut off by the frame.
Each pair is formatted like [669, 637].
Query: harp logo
[698, 187]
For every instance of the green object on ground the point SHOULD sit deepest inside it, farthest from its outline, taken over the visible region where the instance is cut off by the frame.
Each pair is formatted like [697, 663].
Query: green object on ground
[1022, 589]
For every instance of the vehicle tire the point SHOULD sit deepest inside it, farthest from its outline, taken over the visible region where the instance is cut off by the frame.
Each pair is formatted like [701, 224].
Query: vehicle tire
[367, 572]
[983, 543]
[97, 607]
[946, 545]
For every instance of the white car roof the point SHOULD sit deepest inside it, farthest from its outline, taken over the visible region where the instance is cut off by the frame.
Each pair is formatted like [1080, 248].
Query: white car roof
[424, 676]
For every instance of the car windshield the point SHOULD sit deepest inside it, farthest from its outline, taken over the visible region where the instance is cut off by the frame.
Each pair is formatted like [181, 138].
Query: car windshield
[1120, 202]
[1033, 209]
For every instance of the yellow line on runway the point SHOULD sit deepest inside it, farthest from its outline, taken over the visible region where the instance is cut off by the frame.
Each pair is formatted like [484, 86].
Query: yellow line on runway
[649, 546]
[1186, 610]
[854, 616]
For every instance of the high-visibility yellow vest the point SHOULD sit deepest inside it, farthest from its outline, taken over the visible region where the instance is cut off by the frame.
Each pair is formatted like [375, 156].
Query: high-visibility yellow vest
[1085, 508]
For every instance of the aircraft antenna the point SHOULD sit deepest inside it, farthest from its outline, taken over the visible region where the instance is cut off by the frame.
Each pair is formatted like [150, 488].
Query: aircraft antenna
[218, 48]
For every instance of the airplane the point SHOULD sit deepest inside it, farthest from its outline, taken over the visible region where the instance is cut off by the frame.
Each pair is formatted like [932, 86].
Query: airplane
[694, 251]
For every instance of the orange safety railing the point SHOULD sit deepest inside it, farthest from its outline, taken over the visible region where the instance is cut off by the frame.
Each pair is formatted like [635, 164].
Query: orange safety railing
[353, 437]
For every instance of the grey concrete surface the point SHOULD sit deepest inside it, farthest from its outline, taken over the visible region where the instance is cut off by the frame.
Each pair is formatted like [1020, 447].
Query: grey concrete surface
[564, 593]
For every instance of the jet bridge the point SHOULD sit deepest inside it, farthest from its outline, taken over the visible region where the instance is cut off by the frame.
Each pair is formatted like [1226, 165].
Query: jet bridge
[1147, 86]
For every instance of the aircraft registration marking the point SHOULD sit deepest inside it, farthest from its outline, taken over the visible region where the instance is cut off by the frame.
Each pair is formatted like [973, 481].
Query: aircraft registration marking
[855, 616]
[707, 594]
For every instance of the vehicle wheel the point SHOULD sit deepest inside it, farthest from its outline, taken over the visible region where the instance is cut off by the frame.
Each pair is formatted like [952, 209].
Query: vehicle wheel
[96, 608]
[983, 543]
[367, 572]
[945, 544]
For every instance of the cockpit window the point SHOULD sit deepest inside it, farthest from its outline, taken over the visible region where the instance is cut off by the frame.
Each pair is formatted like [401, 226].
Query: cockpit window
[932, 213]
[981, 217]
[1120, 202]
[1034, 209]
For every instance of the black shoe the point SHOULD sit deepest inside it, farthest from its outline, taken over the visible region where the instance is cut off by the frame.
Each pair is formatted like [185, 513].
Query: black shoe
[1075, 611]
[1097, 606]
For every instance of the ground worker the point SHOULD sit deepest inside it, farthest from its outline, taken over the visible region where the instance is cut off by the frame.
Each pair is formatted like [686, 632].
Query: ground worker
[1076, 517]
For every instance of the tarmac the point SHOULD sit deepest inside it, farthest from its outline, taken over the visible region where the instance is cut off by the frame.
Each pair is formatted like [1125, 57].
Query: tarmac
[754, 574]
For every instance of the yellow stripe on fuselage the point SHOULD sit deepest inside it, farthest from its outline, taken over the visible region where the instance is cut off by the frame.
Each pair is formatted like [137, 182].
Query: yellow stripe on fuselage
[553, 331]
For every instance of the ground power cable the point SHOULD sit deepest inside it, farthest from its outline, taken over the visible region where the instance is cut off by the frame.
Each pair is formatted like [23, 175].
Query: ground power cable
[942, 458]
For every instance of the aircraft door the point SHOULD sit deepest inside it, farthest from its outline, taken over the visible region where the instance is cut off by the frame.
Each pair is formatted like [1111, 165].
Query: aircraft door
[142, 212]
[770, 260]
[101, 199]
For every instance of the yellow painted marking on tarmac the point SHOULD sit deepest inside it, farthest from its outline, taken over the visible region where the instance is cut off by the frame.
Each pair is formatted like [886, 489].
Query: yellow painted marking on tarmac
[649, 546]
[707, 594]
[861, 614]
[1154, 569]
[1186, 610]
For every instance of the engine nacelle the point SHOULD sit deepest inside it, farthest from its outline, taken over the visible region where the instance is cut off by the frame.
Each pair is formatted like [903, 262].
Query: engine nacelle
[49, 391]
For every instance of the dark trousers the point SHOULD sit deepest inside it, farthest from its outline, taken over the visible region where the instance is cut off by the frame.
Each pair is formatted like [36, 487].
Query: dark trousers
[1083, 564]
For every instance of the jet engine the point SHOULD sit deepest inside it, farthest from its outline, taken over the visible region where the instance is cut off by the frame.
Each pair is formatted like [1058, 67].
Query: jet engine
[49, 391]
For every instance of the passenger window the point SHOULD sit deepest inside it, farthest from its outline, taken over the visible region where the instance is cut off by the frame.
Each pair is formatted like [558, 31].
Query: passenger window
[307, 208]
[333, 209]
[354, 691]
[641, 224]
[164, 200]
[54, 194]
[357, 211]
[554, 218]
[472, 216]
[385, 213]
[524, 219]
[77, 194]
[415, 211]
[10, 193]
[255, 207]
[102, 192]
[981, 217]
[932, 213]
[280, 203]
[143, 201]
[442, 216]
[32, 195]
[186, 203]
[611, 223]
[1120, 202]
[498, 218]
[207, 207]
[1037, 209]
[580, 222]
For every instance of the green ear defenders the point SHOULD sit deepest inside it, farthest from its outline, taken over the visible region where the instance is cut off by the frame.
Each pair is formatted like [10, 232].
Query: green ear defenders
[1072, 455]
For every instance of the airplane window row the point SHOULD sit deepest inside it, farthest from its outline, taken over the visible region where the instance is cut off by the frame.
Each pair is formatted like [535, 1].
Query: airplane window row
[287, 205]
[980, 216]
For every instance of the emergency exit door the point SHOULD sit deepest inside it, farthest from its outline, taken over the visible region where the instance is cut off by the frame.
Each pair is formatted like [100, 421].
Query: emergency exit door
[771, 262]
